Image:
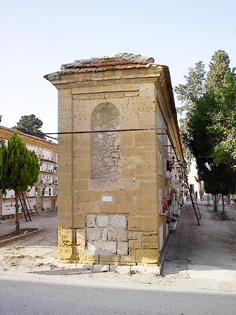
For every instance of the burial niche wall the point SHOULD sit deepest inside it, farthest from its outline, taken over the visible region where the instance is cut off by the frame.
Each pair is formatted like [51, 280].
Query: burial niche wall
[105, 145]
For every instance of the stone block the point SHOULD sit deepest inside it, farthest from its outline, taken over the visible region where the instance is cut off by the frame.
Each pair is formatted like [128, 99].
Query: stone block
[133, 235]
[79, 185]
[93, 89]
[131, 94]
[131, 195]
[65, 237]
[111, 95]
[108, 207]
[64, 253]
[88, 259]
[144, 138]
[65, 187]
[120, 269]
[147, 119]
[150, 240]
[132, 251]
[122, 248]
[146, 176]
[86, 207]
[130, 163]
[101, 268]
[84, 140]
[83, 195]
[93, 234]
[118, 195]
[146, 270]
[145, 168]
[149, 223]
[137, 207]
[102, 220]
[105, 248]
[82, 152]
[96, 195]
[131, 184]
[128, 260]
[144, 107]
[64, 101]
[148, 206]
[128, 173]
[134, 223]
[118, 235]
[78, 221]
[110, 88]
[149, 153]
[65, 221]
[90, 220]
[119, 221]
[148, 188]
[64, 204]
[104, 235]
[135, 244]
[78, 90]
[129, 87]
[114, 184]
[83, 164]
[90, 249]
[127, 139]
[109, 259]
[150, 256]
[80, 237]
[82, 97]
[99, 96]
[125, 207]
[131, 152]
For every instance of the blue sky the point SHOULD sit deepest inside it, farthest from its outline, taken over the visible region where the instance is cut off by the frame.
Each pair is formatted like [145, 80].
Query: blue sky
[38, 36]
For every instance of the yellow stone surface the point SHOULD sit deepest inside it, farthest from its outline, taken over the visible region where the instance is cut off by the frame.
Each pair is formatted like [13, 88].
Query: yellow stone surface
[138, 94]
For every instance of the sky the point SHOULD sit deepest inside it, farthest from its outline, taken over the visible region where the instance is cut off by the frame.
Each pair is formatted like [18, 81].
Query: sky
[37, 37]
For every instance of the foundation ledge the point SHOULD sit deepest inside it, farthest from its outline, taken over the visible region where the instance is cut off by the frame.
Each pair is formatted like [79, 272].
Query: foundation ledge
[122, 269]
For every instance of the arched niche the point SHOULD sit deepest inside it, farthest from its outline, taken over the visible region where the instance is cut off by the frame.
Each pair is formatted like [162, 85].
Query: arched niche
[105, 145]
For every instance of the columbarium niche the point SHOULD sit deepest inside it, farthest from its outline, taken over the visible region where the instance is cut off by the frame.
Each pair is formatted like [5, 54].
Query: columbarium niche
[105, 144]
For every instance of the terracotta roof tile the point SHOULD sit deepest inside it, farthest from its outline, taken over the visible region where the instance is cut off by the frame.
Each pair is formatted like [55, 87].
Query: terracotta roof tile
[118, 59]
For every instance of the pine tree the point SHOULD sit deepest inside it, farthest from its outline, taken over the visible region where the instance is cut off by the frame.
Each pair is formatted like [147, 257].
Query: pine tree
[19, 169]
[31, 125]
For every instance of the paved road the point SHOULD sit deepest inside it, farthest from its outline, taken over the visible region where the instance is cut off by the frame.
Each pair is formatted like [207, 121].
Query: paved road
[199, 277]
[213, 243]
[62, 295]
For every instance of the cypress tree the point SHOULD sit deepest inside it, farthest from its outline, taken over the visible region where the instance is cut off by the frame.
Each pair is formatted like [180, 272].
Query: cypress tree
[19, 169]
[219, 67]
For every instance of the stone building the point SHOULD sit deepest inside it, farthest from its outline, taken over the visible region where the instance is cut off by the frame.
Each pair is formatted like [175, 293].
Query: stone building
[118, 136]
[44, 194]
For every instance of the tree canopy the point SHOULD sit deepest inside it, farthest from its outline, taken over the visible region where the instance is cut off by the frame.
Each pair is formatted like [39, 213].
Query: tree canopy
[198, 83]
[219, 67]
[19, 168]
[31, 125]
[209, 125]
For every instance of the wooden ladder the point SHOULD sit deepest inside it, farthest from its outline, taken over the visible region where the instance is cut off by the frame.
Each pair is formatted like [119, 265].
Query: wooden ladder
[195, 205]
[23, 202]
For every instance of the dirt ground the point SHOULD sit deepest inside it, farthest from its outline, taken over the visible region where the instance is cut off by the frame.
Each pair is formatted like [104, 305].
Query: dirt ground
[33, 252]
[37, 254]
